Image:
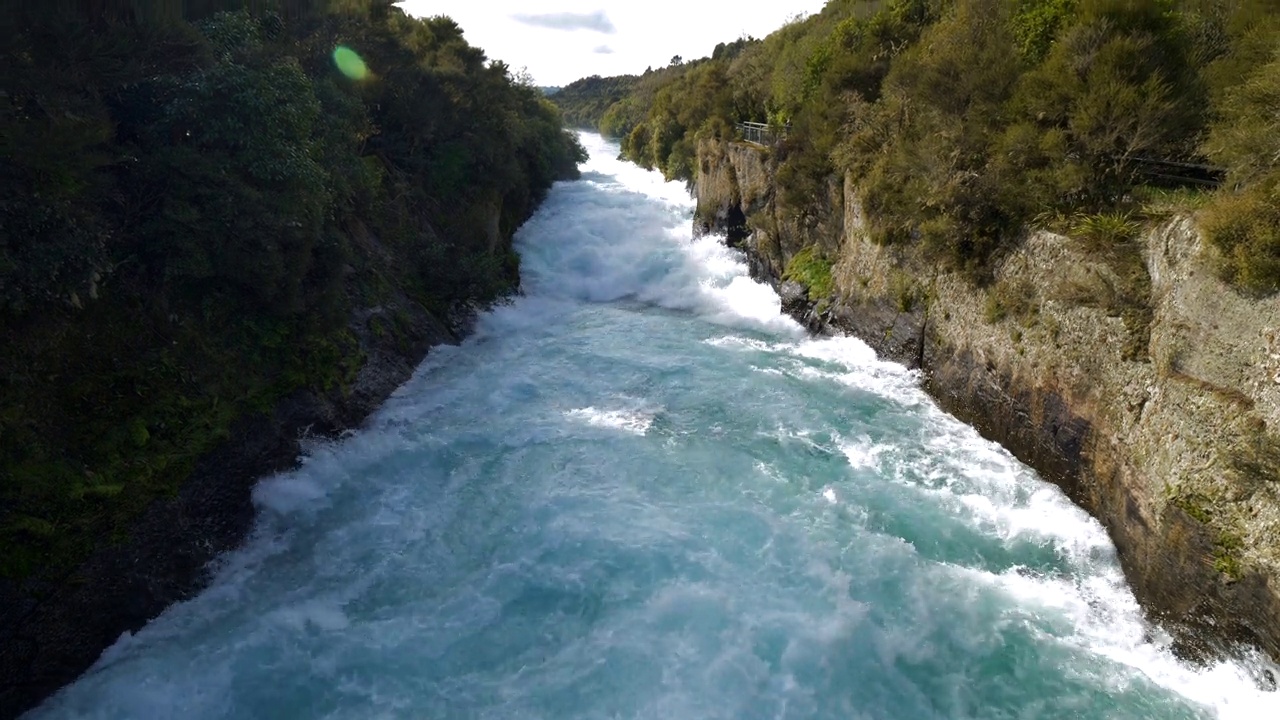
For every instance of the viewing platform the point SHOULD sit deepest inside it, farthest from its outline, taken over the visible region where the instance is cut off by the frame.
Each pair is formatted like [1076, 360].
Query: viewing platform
[762, 134]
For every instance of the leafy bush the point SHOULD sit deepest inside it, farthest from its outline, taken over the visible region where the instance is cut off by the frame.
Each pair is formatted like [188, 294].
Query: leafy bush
[1245, 225]
[243, 200]
[1036, 23]
[1245, 228]
[923, 149]
[1117, 85]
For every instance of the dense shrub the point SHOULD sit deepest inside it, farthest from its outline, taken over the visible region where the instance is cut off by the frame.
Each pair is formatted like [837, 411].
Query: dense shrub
[1245, 228]
[930, 176]
[1035, 24]
[1243, 222]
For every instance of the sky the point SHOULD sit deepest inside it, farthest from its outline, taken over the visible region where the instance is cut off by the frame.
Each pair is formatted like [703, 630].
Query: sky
[559, 41]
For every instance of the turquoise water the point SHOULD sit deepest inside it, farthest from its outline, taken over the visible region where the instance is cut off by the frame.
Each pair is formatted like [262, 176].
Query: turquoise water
[640, 492]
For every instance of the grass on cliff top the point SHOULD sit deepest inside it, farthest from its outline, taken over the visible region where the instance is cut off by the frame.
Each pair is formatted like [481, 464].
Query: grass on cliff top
[813, 270]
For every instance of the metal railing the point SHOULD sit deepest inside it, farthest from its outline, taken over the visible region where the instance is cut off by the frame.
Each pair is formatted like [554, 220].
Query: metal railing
[1156, 171]
[1177, 173]
[762, 134]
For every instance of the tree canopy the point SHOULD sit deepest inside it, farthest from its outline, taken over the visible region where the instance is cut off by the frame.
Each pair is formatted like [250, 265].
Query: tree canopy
[197, 196]
[964, 120]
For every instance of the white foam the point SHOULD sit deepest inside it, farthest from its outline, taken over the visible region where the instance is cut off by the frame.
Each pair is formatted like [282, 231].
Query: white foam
[793, 436]
[657, 261]
[319, 614]
[839, 360]
[287, 493]
[631, 421]
[738, 342]
[1107, 621]
[863, 453]
[1094, 601]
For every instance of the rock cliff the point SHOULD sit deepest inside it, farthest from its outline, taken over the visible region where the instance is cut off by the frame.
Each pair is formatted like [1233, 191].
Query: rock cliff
[1128, 375]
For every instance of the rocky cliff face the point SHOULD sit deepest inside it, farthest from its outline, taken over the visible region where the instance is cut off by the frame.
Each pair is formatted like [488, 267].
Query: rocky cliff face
[1129, 376]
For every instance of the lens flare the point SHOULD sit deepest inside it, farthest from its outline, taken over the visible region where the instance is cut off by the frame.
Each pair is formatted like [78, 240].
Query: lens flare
[350, 63]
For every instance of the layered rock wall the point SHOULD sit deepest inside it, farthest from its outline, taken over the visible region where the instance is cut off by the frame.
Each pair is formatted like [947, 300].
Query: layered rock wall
[1130, 376]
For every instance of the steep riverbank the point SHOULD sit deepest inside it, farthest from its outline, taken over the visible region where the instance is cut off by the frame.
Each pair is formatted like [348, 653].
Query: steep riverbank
[53, 628]
[1132, 378]
[641, 491]
[226, 229]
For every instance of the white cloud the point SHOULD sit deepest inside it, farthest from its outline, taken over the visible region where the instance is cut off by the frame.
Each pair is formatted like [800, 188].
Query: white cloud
[596, 21]
[603, 50]
[647, 34]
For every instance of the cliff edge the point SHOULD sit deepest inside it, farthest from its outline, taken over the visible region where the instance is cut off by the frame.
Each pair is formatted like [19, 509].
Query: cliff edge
[1126, 373]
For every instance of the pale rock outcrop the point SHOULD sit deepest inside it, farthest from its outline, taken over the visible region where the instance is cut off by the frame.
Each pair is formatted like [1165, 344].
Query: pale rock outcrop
[1149, 392]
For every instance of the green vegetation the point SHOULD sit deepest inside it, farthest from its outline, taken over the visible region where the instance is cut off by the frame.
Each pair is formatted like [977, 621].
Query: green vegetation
[963, 121]
[904, 290]
[1112, 237]
[1194, 505]
[1157, 204]
[196, 199]
[811, 269]
[1102, 232]
[585, 101]
[1245, 227]
[1243, 221]
[1227, 544]
[1226, 554]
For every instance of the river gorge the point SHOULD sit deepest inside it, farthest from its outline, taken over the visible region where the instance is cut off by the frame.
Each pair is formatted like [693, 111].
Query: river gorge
[640, 490]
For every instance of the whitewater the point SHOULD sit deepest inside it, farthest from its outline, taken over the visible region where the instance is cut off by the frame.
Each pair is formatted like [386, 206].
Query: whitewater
[640, 491]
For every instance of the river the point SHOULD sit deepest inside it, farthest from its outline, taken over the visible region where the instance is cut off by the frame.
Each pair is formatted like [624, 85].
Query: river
[639, 491]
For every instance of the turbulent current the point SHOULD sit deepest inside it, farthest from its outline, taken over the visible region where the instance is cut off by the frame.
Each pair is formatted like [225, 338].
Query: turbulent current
[639, 491]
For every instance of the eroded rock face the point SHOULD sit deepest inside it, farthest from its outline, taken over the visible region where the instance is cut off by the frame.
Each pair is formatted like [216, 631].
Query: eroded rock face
[1153, 401]
[795, 298]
